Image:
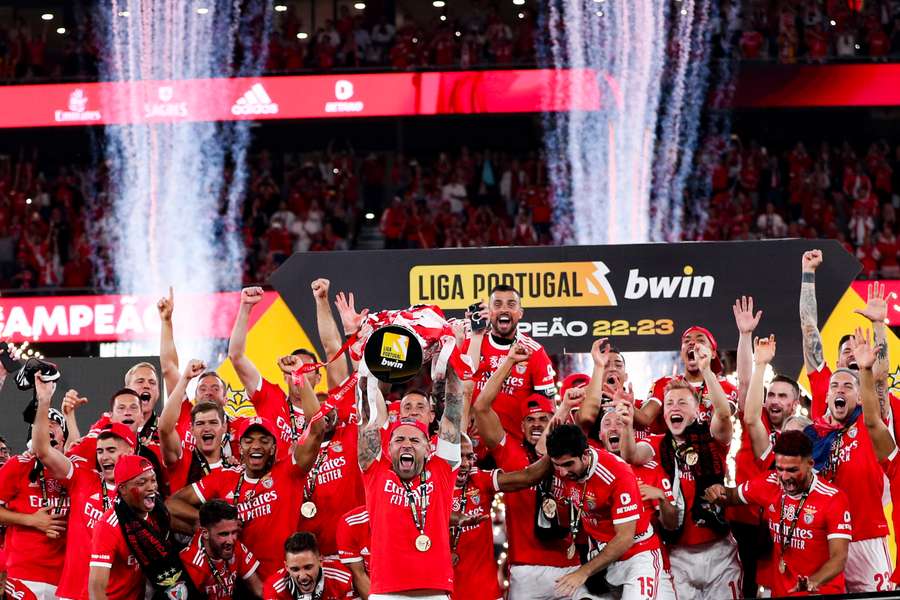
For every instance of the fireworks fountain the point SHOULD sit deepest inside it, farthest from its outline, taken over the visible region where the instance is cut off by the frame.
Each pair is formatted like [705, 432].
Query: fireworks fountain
[176, 189]
[619, 174]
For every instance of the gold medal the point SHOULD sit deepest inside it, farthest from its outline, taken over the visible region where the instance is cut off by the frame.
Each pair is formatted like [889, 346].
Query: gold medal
[454, 558]
[782, 567]
[423, 543]
[548, 507]
[570, 553]
[308, 510]
[691, 457]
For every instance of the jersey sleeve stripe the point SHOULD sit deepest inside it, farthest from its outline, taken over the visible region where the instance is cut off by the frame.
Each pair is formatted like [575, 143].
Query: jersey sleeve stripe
[102, 565]
[626, 519]
[352, 559]
[740, 493]
[845, 536]
[252, 570]
[197, 491]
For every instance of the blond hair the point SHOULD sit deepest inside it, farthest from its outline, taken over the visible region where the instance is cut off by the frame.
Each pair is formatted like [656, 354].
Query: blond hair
[130, 372]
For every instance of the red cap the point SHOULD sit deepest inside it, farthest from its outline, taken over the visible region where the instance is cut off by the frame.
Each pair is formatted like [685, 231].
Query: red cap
[130, 466]
[715, 363]
[538, 403]
[259, 423]
[411, 422]
[575, 380]
[122, 431]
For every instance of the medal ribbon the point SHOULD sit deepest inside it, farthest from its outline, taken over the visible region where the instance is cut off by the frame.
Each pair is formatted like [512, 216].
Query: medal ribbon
[787, 538]
[415, 506]
[310, 486]
[220, 581]
[456, 530]
[575, 525]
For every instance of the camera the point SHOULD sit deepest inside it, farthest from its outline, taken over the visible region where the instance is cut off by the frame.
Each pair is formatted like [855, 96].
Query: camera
[479, 323]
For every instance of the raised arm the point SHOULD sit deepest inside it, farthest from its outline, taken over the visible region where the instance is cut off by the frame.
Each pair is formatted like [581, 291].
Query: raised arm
[57, 462]
[351, 320]
[168, 419]
[720, 424]
[369, 447]
[168, 355]
[876, 311]
[300, 388]
[753, 420]
[489, 427]
[746, 323]
[630, 451]
[184, 507]
[450, 426]
[72, 401]
[866, 356]
[237, 344]
[530, 476]
[329, 334]
[813, 355]
[590, 408]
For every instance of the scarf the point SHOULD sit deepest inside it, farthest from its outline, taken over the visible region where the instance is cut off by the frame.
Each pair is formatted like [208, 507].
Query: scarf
[709, 469]
[826, 439]
[150, 541]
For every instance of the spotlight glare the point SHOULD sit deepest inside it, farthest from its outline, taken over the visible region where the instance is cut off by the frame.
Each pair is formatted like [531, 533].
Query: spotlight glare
[360, 6]
[443, 17]
[439, 4]
[370, 216]
[302, 35]
[47, 16]
[124, 13]
[202, 10]
[518, 2]
[521, 15]
[61, 30]
[280, 8]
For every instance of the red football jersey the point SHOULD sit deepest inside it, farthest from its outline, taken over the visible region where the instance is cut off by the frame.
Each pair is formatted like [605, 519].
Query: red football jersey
[268, 507]
[397, 565]
[183, 429]
[652, 474]
[475, 575]
[334, 584]
[747, 467]
[534, 375]
[860, 477]
[109, 550]
[272, 403]
[91, 497]
[692, 534]
[221, 585]
[524, 546]
[17, 590]
[658, 392]
[824, 515]
[354, 537]
[891, 468]
[338, 487]
[30, 554]
[609, 496]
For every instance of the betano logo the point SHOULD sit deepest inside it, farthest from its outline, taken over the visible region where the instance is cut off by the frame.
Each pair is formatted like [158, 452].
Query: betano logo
[255, 101]
[394, 346]
[543, 285]
[686, 286]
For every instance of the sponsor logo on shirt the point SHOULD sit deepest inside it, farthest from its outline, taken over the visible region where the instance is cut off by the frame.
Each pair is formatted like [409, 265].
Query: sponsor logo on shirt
[398, 493]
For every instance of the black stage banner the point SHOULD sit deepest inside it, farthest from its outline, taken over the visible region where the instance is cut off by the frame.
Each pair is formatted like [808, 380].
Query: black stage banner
[642, 296]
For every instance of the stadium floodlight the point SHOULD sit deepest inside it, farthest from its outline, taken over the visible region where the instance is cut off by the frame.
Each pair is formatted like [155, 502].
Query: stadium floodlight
[61, 30]
[360, 6]
[439, 4]
[202, 10]
[370, 216]
[443, 17]
[47, 16]
[518, 2]
[280, 8]
[124, 13]
[302, 35]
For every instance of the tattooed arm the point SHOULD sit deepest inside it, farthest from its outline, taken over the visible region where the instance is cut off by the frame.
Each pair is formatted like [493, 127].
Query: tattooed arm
[813, 355]
[451, 422]
[369, 447]
[876, 312]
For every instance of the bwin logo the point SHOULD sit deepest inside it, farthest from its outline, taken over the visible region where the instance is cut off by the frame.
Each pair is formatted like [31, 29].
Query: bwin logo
[686, 286]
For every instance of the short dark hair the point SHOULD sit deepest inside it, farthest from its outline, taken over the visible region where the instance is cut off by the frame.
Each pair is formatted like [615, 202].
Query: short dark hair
[793, 443]
[844, 338]
[566, 440]
[301, 541]
[305, 352]
[205, 407]
[123, 392]
[215, 511]
[502, 287]
[205, 374]
[789, 381]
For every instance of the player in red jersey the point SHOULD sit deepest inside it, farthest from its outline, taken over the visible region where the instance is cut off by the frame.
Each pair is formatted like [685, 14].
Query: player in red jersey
[353, 540]
[305, 575]
[267, 397]
[809, 520]
[535, 562]
[132, 543]
[266, 491]
[703, 554]
[535, 375]
[606, 501]
[91, 488]
[35, 508]
[216, 560]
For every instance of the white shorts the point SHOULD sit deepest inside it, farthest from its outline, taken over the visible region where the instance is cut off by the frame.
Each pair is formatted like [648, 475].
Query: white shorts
[535, 582]
[43, 591]
[868, 566]
[637, 578]
[408, 597]
[710, 571]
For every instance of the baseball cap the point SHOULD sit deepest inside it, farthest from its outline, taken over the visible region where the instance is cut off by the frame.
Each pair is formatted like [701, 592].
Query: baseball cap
[130, 466]
[121, 431]
[575, 380]
[259, 423]
[539, 403]
[715, 363]
[411, 422]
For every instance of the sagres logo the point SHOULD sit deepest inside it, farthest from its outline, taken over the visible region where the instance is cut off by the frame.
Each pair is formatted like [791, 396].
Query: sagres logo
[543, 285]
[687, 285]
[394, 346]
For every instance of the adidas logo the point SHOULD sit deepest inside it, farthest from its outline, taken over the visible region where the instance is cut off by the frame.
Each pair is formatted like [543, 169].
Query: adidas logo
[255, 101]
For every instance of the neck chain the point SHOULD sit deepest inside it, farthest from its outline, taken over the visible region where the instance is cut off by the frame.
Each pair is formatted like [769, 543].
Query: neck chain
[575, 525]
[219, 576]
[456, 530]
[310, 485]
[418, 506]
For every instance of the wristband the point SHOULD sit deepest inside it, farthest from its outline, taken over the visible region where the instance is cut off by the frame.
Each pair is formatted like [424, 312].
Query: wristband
[808, 278]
